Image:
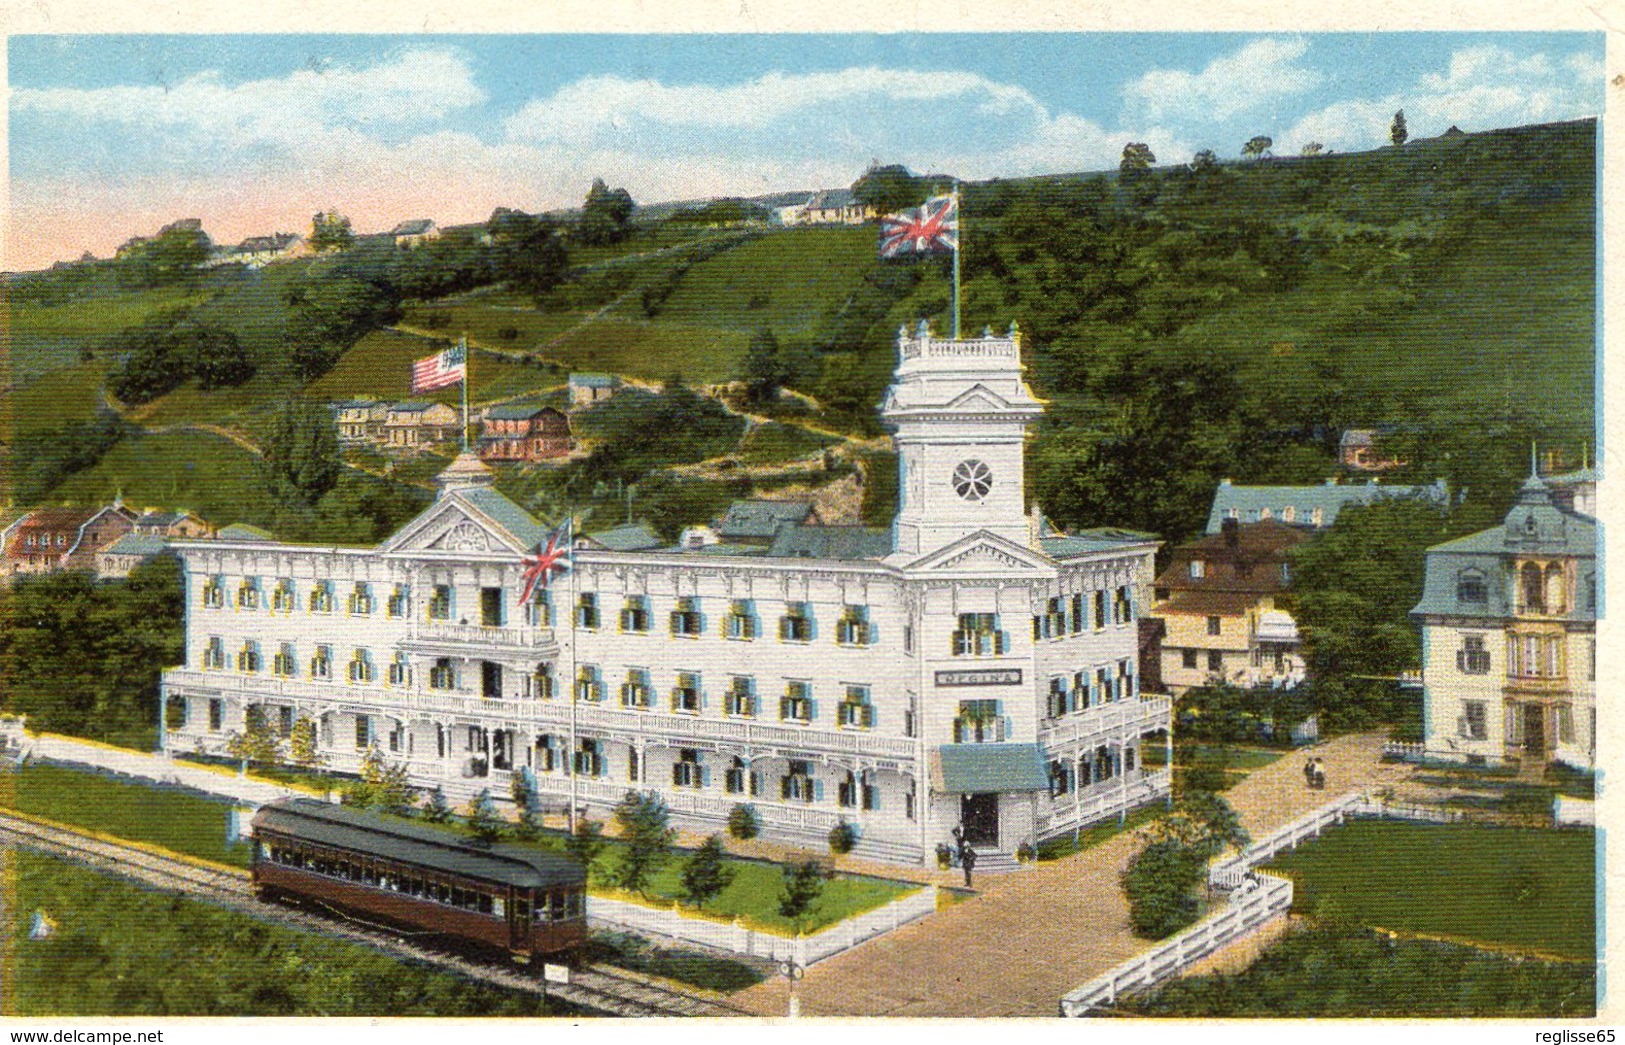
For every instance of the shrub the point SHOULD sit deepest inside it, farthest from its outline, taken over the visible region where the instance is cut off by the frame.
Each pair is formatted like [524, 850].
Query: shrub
[743, 823]
[945, 856]
[705, 875]
[437, 320]
[842, 837]
[1161, 884]
[437, 810]
[508, 334]
[1025, 853]
[483, 822]
[646, 826]
[803, 885]
[1527, 798]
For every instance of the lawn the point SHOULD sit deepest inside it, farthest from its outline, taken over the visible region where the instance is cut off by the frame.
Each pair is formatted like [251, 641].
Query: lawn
[1093, 835]
[380, 365]
[123, 950]
[204, 473]
[1333, 972]
[775, 443]
[170, 817]
[1526, 889]
[794, 282]
[653, 350]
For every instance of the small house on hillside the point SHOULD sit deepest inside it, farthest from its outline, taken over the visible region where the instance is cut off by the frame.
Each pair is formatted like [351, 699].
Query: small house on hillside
[257, 251]
[1315, 506]
[171, 524]
[1357, 449]
[524, 433]
[830, 207]
[361, 420]
[420, 424]
[409, 234]
[64, 538]
[587, 389]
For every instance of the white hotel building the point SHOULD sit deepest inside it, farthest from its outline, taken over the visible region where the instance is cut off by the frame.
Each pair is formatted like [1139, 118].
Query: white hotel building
[968, 668]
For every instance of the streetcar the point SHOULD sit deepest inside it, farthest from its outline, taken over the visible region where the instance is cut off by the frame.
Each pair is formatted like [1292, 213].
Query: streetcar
[529, 903]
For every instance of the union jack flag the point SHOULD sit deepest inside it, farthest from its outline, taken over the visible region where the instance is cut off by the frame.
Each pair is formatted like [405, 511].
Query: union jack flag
[441, 369]
[932, 226]
[556, 554]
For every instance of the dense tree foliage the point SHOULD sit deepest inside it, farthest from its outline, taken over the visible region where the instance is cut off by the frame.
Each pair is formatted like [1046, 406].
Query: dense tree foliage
[301, 451]
[804, 882]
[645, 824]
[83, 657]
[172, 256]
[44, 457]
[606, 216]
[330, 230]
[705, 874]
[172, 347]
[890, 188]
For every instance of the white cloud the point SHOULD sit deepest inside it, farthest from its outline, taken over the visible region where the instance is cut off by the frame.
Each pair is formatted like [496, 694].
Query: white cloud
[1260, 72]
[411, 88]
[1482, 88]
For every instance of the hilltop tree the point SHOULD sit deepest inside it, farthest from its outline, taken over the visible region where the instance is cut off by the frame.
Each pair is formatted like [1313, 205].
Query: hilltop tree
[705, 875]
[330, 231]
[606, 217]
[1257, 146]
[1205, 161]
[169, 257]
[1137, 156]
[301, 451]
[1312, 149]
[1397, 132]
[531, 254]
[889, 188]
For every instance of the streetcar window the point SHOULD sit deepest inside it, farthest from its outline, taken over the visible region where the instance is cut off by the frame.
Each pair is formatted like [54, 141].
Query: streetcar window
[573, 906]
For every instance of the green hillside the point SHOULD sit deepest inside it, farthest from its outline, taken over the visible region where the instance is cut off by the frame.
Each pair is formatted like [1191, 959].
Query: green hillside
[1185, 325]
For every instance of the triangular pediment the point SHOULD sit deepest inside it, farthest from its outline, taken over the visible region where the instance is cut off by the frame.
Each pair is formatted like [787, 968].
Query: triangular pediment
[979, 397]
[451, 527]
[980, 553]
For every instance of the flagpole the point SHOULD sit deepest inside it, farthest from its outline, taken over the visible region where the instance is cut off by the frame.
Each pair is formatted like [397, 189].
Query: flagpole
[571, 609]
[467, 363]
[959, 222]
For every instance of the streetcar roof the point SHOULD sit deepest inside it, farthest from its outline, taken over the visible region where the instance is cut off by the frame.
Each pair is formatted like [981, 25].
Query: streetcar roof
[389, 838]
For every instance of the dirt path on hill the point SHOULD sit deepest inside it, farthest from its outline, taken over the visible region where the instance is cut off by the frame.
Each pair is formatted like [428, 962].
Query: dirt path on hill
[1031, 936]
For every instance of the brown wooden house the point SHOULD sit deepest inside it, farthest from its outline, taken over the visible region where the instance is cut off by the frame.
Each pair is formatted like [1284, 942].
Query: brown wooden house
[524, 433]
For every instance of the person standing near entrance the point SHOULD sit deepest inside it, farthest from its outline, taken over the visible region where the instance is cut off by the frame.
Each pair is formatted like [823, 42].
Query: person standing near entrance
[967, 860]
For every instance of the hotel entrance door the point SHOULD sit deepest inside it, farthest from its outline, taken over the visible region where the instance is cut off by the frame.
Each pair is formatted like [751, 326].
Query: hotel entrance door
[980, 815]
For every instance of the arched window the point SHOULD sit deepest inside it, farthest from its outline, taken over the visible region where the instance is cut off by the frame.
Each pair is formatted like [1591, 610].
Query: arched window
[1534, 588]
[1470, 586]
[1555, 601]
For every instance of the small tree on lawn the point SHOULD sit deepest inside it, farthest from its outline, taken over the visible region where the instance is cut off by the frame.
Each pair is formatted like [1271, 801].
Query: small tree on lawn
[483, 822]
[705, 875]
[523, 793]
[369, 790]
[257, 742]
[743, 823]
[646, 827]
[302, 747]
[803, 885]
[395, 791]
[437, 810]
[586, 842]
[1397, 132]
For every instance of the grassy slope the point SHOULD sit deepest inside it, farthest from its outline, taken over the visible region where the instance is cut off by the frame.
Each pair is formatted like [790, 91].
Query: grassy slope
[380, 365]
[174, 819]
[201, 472]
[1524, 888]
[120, 949]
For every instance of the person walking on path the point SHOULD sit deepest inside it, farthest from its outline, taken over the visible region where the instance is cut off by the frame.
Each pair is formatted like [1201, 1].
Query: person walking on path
[967, 860]
[1309, 773]
[1318, 777]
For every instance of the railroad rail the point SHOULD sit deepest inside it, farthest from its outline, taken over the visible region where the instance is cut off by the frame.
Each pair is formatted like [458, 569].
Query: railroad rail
[599, 988]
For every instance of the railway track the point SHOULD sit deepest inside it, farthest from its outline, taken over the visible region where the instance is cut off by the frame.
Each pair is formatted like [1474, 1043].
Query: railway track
[600, 989]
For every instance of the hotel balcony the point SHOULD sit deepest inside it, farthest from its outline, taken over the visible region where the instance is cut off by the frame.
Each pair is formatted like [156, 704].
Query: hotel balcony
[1106, 720]
[1105, 799]
[445, 638]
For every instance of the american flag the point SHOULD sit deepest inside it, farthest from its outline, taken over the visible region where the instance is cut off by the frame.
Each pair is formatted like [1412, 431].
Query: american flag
[932, 226]
[555, 554]
[439, 370]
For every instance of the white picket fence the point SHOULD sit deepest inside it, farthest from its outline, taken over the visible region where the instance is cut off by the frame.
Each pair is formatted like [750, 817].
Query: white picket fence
[1231, 873]
[741, 939]
[1244, 911]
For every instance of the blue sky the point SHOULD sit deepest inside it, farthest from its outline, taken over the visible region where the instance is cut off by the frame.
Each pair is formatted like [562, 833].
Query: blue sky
[111, 136]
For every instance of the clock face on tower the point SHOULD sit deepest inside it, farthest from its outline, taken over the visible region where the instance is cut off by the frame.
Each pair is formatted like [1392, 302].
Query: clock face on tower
[972, 480]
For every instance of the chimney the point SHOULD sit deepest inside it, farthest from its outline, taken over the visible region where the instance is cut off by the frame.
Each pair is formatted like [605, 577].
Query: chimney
[1232, 533]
